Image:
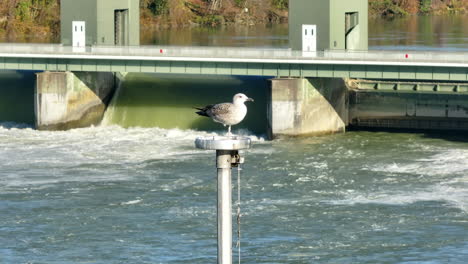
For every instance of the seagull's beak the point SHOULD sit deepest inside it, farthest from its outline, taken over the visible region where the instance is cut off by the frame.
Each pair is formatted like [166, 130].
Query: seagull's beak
[249, 100]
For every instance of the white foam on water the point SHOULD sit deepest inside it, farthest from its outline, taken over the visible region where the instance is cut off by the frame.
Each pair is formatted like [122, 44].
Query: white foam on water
[31, 157]
[14, 125]
[446, 162]
[180, 183]
[132, 202]
[453, 193]
[442, 177]
[193, 211]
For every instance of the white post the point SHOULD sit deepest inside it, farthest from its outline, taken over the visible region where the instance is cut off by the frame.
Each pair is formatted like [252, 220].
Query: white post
[223, 164]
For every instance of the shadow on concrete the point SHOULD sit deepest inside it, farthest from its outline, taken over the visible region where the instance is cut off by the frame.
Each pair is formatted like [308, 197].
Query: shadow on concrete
[103, 84]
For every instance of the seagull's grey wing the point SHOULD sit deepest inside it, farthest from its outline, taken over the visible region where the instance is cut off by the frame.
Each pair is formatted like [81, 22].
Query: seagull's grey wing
[221, 109]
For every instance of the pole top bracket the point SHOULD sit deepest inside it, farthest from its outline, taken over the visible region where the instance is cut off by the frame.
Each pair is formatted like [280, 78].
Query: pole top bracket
[223, 143]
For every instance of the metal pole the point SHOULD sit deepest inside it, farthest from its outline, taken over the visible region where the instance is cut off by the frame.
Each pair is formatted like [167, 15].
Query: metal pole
[224, 164]
[227, 156]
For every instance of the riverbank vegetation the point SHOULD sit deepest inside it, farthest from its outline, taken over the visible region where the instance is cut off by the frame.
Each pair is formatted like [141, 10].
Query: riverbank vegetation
[412, 7]
[29, 17]
[42, 17]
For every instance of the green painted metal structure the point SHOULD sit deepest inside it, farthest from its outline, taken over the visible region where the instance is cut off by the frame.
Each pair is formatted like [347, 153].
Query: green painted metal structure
[379, 85]
[341, 24]
[105, 21]
[334, 69]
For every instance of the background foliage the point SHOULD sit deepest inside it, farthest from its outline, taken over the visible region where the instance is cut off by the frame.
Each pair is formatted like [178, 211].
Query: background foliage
[42, 16]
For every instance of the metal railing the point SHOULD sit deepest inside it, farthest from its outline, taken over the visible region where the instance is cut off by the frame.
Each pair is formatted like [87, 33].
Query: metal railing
[235, 53]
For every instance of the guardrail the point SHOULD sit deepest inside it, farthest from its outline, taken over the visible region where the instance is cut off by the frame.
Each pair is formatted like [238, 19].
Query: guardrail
[236, 52]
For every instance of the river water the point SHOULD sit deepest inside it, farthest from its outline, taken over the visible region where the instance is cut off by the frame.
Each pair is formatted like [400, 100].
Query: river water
[446, 33]
[126, 193]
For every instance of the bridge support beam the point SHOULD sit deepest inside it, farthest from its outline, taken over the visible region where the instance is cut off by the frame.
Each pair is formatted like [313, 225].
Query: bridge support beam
[66, 100]
[301, 106]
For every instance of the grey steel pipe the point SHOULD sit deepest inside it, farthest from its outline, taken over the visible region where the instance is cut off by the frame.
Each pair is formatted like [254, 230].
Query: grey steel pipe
[227, 155]
[224, 165]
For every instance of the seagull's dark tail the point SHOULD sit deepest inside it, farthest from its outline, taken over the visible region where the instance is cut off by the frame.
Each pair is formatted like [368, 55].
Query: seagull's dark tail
[202, 111]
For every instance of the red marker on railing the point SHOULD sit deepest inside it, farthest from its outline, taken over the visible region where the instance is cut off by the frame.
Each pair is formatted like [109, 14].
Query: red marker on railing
[406, 56]
[160, 51]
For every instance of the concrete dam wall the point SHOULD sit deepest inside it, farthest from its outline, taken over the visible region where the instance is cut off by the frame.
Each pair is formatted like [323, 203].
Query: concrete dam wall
[65, 100]
[168, 101]
[283, 106]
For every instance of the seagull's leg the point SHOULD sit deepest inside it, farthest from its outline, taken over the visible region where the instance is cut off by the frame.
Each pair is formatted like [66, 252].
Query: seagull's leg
[229, 131]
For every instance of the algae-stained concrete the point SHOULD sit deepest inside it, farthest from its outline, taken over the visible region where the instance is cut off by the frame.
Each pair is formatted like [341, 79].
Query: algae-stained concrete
[168, 100]
[66, 100]
[300, 106]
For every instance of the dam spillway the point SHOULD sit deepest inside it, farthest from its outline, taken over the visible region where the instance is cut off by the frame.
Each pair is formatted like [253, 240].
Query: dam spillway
[167, 101]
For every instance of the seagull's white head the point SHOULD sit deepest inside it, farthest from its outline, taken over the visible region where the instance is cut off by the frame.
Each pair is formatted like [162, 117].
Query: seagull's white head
[241, 98]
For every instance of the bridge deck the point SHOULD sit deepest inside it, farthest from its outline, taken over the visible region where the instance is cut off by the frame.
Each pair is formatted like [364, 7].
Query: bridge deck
[411, 65]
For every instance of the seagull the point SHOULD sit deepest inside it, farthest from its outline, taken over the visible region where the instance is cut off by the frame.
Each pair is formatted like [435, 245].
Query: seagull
[228, 114]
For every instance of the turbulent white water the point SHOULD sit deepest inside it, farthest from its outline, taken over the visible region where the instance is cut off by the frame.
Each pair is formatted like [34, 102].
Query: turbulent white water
[23, 147]
[146, 195]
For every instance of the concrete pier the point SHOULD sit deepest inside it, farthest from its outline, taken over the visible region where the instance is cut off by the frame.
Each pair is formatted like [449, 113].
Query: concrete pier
[307, 106]
[65, 100]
